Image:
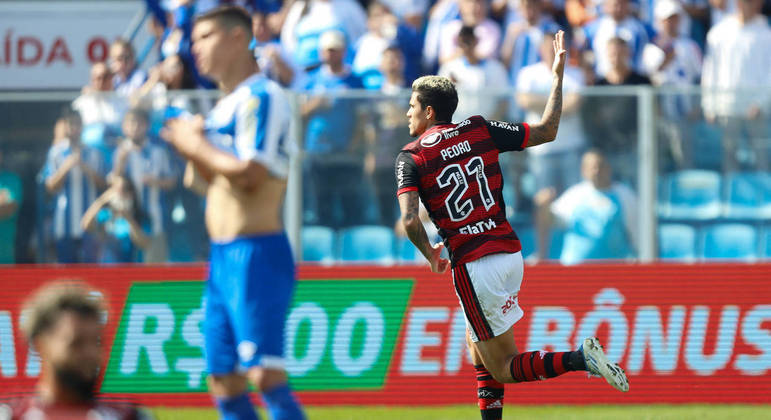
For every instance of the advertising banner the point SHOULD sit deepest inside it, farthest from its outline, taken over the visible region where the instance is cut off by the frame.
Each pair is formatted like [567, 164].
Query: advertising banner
[396, 335]
[51, 45]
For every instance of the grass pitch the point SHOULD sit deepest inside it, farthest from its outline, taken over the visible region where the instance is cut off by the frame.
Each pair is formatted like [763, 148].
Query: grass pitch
[470, 412]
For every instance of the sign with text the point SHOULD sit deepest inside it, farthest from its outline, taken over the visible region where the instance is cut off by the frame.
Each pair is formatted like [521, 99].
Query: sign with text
[51, 45]
[396, 335]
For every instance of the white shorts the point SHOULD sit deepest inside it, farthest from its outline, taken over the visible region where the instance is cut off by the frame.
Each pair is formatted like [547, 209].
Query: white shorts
[488, 290]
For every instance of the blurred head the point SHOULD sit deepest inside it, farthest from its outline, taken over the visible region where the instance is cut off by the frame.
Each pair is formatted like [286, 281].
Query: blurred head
[667, 13]
[101, 77]
[531, 10]
[392, 62]
[748, 9]
[73, 124]
[221, 36]
[473, 12]
[546, 49]
[176, 73]
[62, 321]
[595, 169]
[260, 28]
[433, 100]
[467, 40]
[618, 53]
[616, 9]
[135, 124]
[376, 12]
[332, 48]
[122, 60]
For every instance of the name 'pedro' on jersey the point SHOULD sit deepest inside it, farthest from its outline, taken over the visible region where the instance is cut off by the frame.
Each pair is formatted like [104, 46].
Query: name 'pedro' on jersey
[455, 170]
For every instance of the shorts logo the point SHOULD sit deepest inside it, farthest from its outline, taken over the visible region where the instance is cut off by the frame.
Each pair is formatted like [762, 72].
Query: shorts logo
[431, 140]
[510, 302]
[246, 350]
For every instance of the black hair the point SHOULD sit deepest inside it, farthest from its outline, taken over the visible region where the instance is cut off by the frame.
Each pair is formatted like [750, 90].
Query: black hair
[439, 93]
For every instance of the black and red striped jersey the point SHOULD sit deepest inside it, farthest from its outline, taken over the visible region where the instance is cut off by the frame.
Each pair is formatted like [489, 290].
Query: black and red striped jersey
[455, 170]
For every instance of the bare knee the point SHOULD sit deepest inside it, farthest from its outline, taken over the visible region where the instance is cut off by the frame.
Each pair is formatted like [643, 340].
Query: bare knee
[227, 386]
[265, 379]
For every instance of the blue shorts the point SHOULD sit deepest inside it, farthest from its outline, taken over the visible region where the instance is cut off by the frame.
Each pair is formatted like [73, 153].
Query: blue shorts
[251, 280]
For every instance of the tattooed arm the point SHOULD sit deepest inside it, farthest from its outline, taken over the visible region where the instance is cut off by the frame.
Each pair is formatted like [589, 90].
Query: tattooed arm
[546, 130]
[409, 204]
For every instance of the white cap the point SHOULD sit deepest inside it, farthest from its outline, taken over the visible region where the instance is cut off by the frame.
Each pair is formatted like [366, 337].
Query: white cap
[667, 8]
[332, 39]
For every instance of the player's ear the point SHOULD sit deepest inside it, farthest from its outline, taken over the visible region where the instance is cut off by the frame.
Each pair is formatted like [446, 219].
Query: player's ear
[430, 112]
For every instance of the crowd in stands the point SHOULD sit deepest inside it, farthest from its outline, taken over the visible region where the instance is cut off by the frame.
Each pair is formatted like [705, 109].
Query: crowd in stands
[113, 186]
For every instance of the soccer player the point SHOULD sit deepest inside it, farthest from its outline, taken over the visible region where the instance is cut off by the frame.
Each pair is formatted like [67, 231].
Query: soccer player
[239, 157]
[454, 170]
[63, 322]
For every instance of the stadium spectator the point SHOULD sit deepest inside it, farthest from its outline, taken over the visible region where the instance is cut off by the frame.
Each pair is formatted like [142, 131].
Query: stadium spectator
[674, 60]
[126, 77]
[148, 166]
[473, 75]
[441, 13]
[736, 64]
[521, 43]
[600, 215]
[613, 119]
[116, 218]
[333, 166]
[63, 323]
[473, 13]
[411, 12]
[73, 173]
[385, 30]
[274, 62]
[556, 164]
[97, 103]
[10, 200]
[616, 22]
[387, 138]
[307, 20]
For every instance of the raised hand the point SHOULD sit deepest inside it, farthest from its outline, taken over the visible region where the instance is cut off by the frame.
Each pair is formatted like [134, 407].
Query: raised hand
[560, 54]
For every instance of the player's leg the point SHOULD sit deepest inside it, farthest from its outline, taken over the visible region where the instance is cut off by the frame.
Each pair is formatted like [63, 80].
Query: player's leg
[227, 387]
[261, 311]
[489, 391]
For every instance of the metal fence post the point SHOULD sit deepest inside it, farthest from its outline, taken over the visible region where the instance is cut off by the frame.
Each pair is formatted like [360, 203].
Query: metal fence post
[646, 174]
[293, 203]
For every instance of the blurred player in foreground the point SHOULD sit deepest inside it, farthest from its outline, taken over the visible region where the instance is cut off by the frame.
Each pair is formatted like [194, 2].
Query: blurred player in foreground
[238, 156]
[454, 170]
[63, 322]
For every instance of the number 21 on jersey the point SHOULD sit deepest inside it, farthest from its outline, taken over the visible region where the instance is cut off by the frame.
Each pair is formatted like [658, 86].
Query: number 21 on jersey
[455, 175]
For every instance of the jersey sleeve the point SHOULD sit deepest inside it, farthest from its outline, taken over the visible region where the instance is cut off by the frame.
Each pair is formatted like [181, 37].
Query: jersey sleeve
[407, 177]
[508, 136]
[262, 130]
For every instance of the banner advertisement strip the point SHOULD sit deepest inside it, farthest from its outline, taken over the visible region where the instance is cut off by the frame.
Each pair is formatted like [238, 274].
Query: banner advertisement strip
[396, 335]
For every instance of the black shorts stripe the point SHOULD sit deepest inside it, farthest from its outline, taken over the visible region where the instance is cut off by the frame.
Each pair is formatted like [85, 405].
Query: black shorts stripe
[471, 305]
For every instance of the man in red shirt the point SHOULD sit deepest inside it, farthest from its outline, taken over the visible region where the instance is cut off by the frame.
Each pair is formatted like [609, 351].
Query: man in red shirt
[454, 170]
[63, 322]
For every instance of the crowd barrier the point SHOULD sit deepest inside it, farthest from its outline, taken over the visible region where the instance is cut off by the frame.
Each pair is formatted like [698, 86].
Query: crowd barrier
[395, 335]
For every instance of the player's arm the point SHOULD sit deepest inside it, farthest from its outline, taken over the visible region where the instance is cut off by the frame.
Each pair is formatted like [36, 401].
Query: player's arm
[546, 130]
[409, 203]
[195, 179]
[187, 136]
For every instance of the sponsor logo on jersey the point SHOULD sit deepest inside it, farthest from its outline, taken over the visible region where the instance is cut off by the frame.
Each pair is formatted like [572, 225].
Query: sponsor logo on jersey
[505, 125]
[431, 140]
[400, 174]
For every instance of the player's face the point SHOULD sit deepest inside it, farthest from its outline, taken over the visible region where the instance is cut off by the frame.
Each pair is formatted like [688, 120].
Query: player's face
[72, 348]
[211, 48]
[418, 117]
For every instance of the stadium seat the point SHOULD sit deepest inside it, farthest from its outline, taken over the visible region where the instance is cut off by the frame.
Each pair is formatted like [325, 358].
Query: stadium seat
[367, 243]
[692, 195]
[406, 251]
[765, 242]
[730, 241]
[748, 195]
[318, 244]
[707, 145]
[677, 242]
